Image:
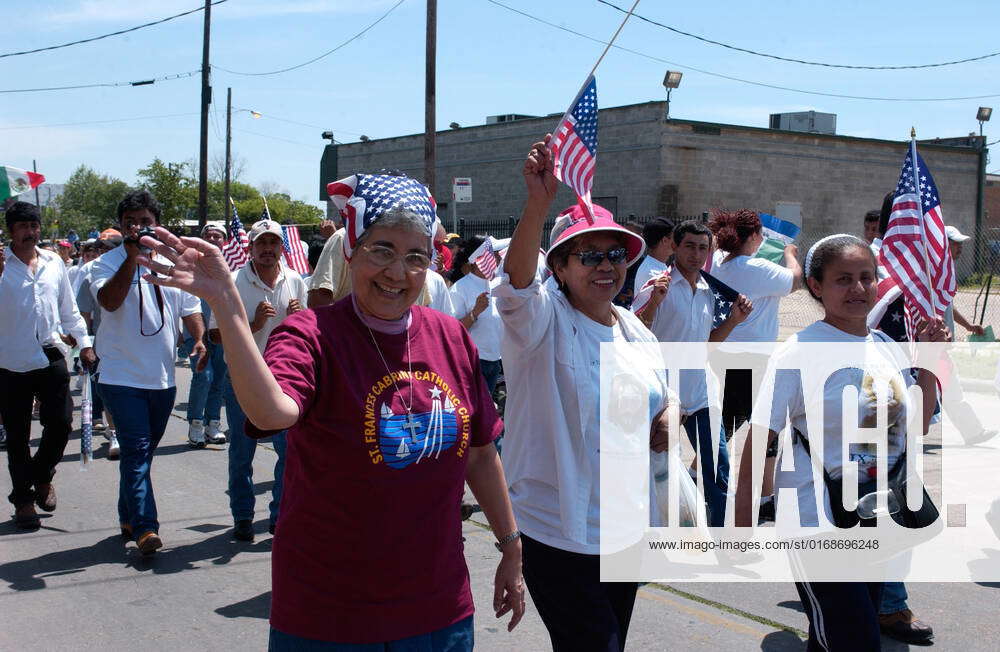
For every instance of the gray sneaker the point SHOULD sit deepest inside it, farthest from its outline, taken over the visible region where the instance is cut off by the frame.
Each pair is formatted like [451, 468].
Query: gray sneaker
[114, 450]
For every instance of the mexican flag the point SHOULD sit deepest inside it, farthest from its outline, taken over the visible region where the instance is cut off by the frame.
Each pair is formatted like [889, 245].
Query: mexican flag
[13, 181]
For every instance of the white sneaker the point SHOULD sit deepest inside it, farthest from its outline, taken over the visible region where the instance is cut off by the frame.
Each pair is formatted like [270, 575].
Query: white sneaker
[213, 432]
[196, 434]
[114, 450]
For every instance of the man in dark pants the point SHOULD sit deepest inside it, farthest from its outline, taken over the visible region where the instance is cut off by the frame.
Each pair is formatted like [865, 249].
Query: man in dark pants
[39, 314]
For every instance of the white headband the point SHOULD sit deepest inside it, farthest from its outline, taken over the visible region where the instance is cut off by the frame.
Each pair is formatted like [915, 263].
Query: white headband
[812, 249]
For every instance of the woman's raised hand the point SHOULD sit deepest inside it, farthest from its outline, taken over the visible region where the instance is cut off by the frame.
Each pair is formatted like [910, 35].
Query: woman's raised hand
[538, 172]
[198, 267]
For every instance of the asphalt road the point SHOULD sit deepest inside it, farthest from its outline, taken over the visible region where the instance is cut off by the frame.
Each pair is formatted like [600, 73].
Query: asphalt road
[74, 585]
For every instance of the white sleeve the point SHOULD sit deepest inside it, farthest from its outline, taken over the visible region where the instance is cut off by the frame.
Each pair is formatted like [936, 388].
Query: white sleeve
[190, 304]
[527, 313]
[69, 315]
[780, 398]
[439, 295]
[771, 280]
[100, 273]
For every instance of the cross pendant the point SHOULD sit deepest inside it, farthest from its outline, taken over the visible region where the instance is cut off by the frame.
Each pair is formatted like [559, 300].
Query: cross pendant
[412, 426]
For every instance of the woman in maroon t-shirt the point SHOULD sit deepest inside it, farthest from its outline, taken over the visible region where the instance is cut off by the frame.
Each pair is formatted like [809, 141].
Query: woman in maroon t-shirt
[388, 417]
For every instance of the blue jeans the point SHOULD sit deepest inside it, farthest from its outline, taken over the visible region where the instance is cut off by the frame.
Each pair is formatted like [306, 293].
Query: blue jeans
[453, 638]
[241, 452]
[714, 476]
[205, 397]
[894, 597]
[140, 418]
[491, 371]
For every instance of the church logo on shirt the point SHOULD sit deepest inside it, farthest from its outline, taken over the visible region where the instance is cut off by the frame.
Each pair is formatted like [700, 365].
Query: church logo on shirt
[400, 439]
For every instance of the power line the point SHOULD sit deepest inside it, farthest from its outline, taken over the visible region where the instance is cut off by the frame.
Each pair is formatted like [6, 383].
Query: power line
[294, 122]
[284, 140]
[791, 60]
[142, 82]
[98, 122]
[103, 36]
[993, 143]
[314, 60]
[738, 79]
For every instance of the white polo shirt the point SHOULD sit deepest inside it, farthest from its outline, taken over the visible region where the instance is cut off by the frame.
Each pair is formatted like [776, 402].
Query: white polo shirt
[487, 329]
[34, 308]
[289, 285]
[138, 351]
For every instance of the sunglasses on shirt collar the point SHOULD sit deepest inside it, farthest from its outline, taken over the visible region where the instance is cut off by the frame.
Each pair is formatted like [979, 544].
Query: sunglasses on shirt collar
[593, 258]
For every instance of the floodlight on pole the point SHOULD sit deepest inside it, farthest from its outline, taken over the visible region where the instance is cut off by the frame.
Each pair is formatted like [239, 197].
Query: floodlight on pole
[983, 115]
[255, 115]
[671, 80]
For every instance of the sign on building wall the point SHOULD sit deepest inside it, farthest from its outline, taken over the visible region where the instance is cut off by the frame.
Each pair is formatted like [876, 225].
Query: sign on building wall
[461, 190]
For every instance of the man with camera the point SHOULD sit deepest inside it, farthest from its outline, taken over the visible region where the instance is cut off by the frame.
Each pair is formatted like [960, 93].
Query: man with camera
[137, 345]
[37, 303]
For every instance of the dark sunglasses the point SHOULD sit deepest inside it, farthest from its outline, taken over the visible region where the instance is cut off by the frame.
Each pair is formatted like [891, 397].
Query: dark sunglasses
[593, 258]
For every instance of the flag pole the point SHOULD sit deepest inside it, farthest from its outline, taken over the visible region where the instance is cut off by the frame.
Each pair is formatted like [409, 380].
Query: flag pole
[923, 225]
[613, 37]
[229, 223]
[264, 197]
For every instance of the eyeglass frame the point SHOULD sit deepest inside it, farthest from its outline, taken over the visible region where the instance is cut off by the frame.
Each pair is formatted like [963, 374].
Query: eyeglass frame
[396, 256]
[620, 252]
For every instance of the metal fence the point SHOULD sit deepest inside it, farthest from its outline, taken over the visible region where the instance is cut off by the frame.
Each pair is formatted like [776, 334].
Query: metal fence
[503, 227]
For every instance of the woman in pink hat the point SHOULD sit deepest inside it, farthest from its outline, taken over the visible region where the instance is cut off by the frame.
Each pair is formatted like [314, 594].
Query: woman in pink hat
[552, 336]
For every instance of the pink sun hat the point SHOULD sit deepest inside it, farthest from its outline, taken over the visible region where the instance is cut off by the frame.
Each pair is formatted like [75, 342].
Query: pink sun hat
[573, 222]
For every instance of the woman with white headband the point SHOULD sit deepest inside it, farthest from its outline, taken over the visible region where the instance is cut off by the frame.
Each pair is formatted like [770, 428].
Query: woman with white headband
[841, 274]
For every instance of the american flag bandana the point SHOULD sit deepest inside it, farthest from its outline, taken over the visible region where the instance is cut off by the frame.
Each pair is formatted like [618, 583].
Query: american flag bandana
[363, 198]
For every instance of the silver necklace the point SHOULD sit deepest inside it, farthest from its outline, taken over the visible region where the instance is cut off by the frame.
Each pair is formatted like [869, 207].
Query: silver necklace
[410, 424]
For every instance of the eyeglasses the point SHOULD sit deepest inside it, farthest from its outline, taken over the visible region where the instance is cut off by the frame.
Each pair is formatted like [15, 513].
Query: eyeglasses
[593, 258]
[384, 256]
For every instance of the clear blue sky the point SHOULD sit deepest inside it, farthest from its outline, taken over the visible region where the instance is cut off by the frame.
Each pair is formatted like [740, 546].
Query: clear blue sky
[490, 61]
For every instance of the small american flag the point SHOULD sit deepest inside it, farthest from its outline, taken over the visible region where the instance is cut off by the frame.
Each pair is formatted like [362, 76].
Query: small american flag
[915, 241]
[235, 249]
[487, 260]
[574, 145]
[294, 256]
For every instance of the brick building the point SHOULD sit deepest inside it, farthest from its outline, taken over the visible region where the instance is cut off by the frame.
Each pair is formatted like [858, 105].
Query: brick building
[647, 166]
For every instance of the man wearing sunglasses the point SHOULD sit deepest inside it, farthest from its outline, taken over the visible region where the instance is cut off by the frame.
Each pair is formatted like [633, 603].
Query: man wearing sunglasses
[270, 291]
[137, 347]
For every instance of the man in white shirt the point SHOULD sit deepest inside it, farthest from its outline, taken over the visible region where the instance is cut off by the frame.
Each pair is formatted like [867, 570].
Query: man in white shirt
[38, 304]
[137, 344]
[686, 313]
[270, 291]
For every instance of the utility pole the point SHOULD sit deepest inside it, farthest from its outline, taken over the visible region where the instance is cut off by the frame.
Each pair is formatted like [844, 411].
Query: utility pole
[229, 138]
[430, 95]
[206, 100]
[34, 167]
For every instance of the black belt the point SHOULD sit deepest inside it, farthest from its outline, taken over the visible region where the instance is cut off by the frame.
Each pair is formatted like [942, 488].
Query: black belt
[52, 353]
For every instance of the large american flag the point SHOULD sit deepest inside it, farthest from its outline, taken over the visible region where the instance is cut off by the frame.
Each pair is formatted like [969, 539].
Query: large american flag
[574, 145]
[235, 249]
[915, 243]
[723, 295]
[294, 256]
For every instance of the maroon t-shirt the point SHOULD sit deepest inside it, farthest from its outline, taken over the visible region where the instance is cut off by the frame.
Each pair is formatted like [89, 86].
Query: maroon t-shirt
[369, 540]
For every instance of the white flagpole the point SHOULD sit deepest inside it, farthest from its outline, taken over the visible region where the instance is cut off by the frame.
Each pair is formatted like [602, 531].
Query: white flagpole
[923, 226]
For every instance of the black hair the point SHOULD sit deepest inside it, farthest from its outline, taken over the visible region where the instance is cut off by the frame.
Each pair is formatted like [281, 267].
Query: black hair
[883, 220]
[655, 230]
[22, 211]
[694, 227]
[465, 251]
[873, 216]
[137, 200]
[315, 249]
[829, 250]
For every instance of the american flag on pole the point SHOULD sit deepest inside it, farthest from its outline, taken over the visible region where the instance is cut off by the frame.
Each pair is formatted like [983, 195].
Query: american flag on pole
[486, 261]
[574, 145]
[915, 248]
[294, 256]
[235, 249]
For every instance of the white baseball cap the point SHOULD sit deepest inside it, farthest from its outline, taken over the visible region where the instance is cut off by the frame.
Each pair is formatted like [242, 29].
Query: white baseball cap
[265, 226]
[955, 235]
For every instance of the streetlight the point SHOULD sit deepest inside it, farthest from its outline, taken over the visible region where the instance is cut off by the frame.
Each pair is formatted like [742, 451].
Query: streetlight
[364, 138]
[983, 115]
[671, 80]
[455, 125]
[327, 135]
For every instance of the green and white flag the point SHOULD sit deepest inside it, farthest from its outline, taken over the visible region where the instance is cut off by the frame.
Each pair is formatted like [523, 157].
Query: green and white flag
[13, 181]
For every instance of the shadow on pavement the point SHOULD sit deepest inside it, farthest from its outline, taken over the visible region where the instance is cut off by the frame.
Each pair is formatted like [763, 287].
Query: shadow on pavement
[256, 607]
[794, 605]
[30, 574]
[782, 641]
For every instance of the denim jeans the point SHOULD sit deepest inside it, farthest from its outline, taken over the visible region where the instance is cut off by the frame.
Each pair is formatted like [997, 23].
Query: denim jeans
[241, 452]
[715, 476]
[140, 418]
[894, 597]
[205, 397]
[453, 638]
[491, 372]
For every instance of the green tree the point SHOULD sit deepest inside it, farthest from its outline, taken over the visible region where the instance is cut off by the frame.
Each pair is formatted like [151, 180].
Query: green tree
[89, 201]
[173, 188]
